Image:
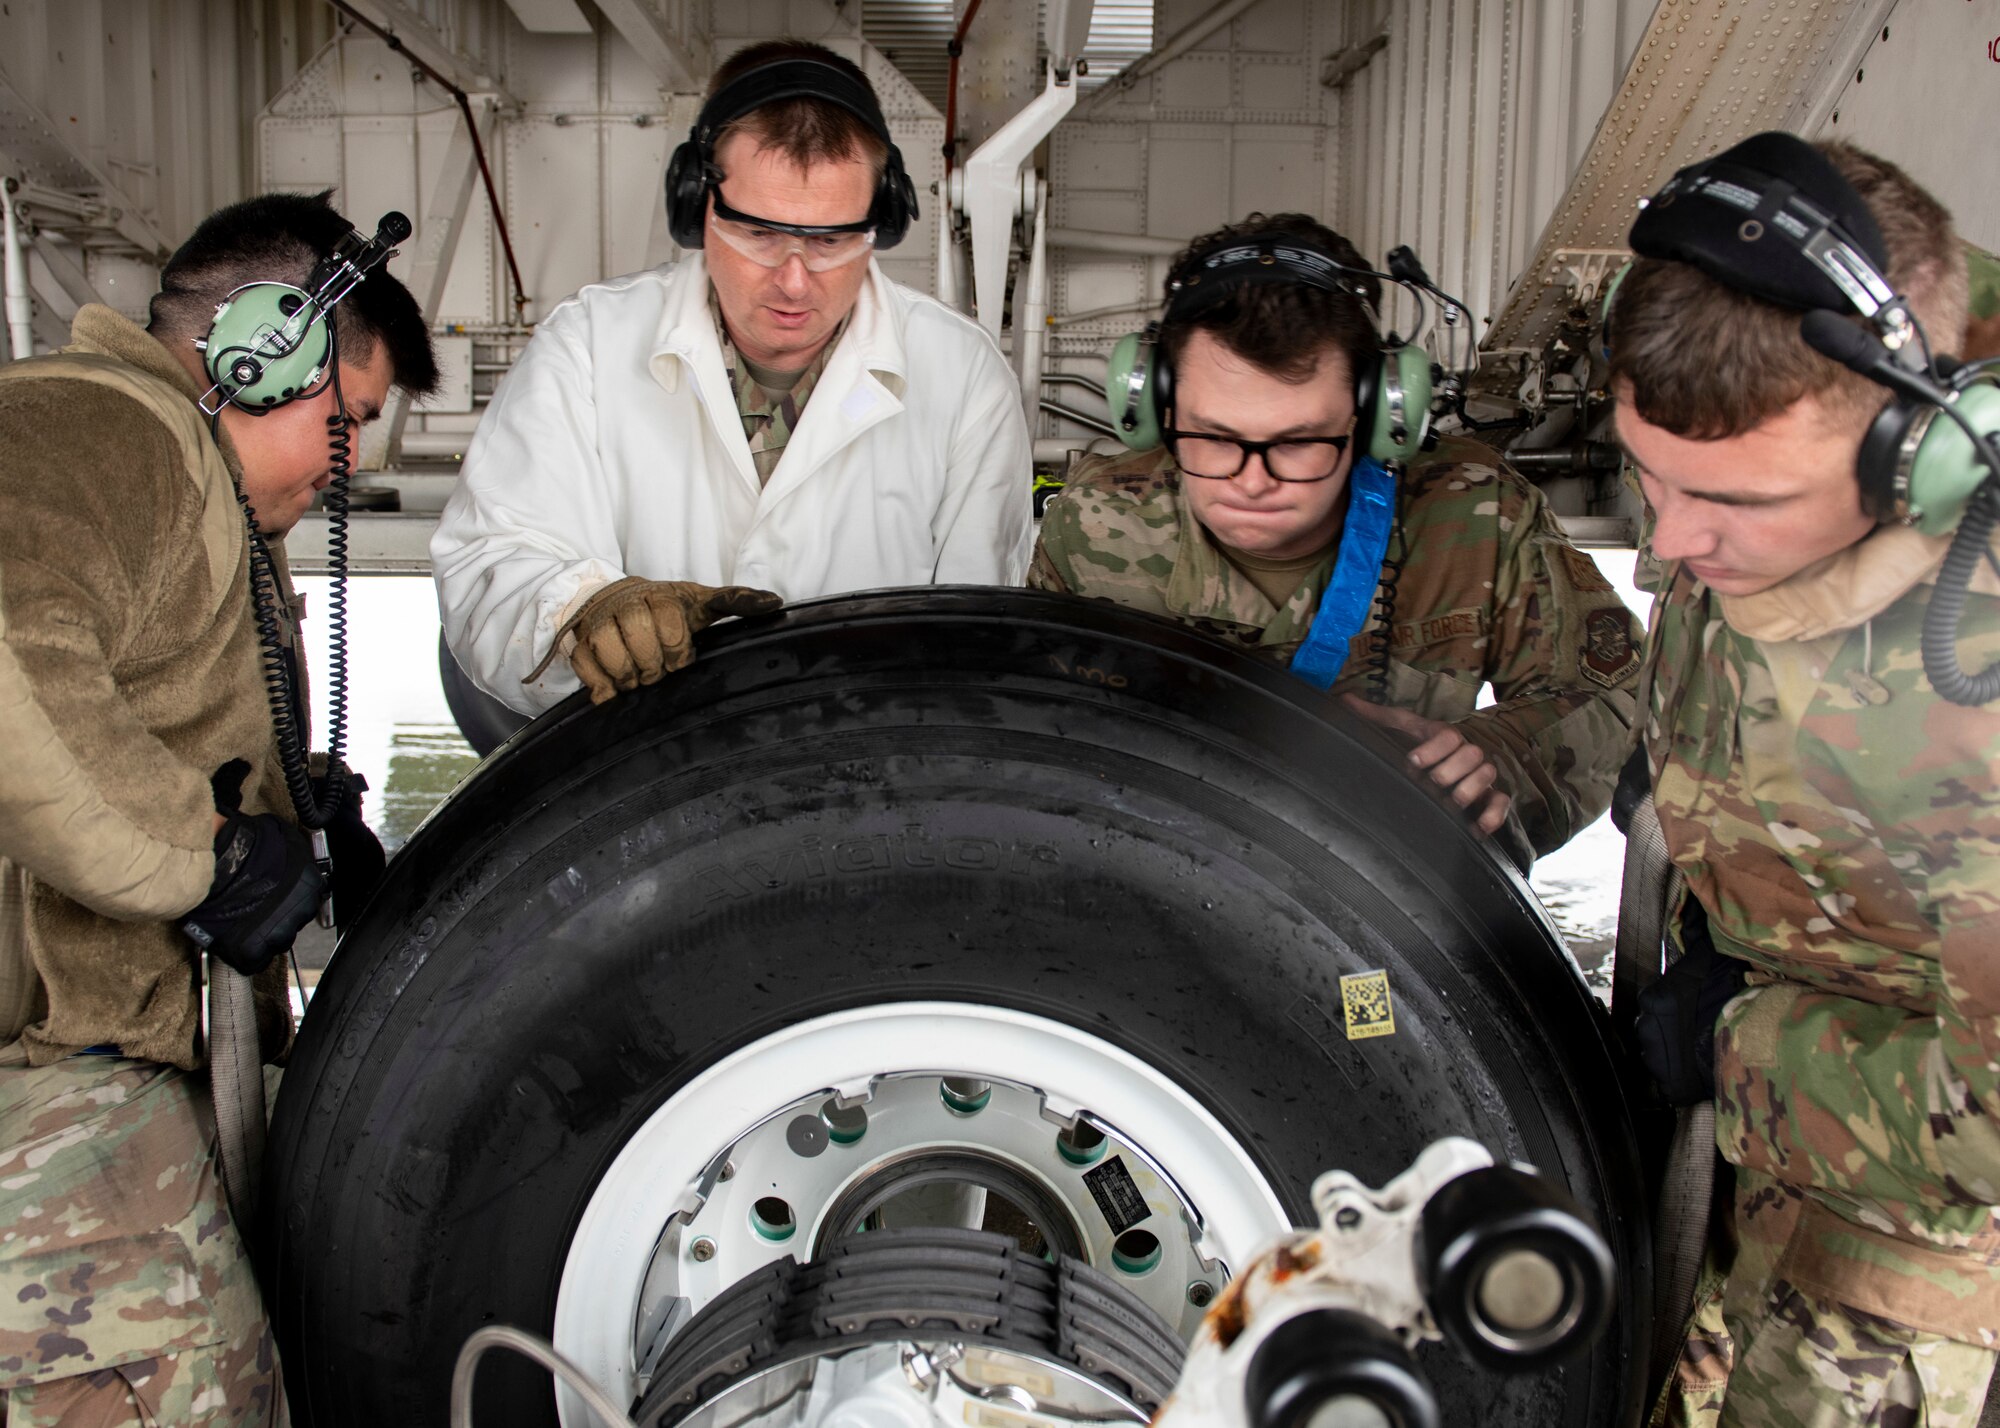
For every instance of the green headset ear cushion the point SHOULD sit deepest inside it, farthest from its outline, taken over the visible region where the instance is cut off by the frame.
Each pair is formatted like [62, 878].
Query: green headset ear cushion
[238, 337]
[1398, 415]
[1945, 471]
[1130, 391]
[1611, 287]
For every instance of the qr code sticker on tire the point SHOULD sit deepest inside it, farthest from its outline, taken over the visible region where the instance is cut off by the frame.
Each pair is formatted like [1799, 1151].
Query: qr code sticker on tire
[1364, 1001]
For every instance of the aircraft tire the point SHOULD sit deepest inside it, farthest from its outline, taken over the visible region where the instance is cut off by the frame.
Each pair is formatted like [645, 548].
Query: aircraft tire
[1047, 813]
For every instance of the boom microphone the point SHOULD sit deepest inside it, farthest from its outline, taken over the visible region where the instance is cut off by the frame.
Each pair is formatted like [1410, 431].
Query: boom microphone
[1833, 336]
[1405, 267]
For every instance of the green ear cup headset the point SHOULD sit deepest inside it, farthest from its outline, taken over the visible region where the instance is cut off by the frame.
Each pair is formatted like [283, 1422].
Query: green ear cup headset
[1774, 218]
[267, 346]
[1392, 398]
[272, 343]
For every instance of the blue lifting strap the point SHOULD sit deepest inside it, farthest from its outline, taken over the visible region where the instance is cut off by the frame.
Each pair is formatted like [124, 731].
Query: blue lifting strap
[1364, 543]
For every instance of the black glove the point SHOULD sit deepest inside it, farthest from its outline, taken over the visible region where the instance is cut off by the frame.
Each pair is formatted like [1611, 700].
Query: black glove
[1635, 784]
[267, 884]
[355, 851]
[1675, 1027]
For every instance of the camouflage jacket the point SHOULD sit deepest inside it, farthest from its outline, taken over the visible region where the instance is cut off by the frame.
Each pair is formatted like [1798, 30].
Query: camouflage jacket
[1840, 824]
[1489, 591]
[128, 675]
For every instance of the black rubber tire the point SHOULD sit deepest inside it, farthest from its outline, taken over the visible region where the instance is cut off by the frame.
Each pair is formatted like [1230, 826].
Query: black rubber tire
[1212, 846]
[971, 1287]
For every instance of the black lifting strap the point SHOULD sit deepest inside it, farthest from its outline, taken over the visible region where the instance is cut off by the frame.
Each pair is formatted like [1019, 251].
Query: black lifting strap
[1651, 888]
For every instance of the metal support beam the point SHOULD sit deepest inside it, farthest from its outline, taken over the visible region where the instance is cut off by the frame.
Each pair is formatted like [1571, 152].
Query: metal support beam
[41, 153]
[425, 42]
[50, 329]
[1682, 99]
[1174, 46]
[50, 298]
[677, 64]
[438, 233]
[68, 274]
[550, 17]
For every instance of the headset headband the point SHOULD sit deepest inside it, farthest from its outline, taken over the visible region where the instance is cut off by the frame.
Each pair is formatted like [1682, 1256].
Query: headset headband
[1828, 250]
[788, 79]
[1218, 274]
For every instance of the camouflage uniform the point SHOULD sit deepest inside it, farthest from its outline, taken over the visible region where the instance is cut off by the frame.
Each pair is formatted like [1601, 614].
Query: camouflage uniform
[98, 1316]
[1489, 591]
[769, 417]
[1840, 825]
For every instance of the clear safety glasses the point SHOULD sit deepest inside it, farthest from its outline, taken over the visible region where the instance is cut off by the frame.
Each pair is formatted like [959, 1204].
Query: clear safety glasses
[821, 246]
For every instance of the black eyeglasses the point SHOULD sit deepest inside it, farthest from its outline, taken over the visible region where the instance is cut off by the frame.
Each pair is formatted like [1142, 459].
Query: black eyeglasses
[1291, 458]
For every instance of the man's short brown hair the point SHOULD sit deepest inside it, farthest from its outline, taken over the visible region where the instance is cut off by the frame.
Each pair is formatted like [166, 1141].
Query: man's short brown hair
[1707, 362]
[1285, 329]
[806, 131]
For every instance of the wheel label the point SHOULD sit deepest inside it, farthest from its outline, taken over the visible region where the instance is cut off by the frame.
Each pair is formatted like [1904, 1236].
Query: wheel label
[1364, 999]
[1112, 1188]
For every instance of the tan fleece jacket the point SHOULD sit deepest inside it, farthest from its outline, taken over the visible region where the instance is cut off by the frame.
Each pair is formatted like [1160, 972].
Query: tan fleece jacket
[128, 674]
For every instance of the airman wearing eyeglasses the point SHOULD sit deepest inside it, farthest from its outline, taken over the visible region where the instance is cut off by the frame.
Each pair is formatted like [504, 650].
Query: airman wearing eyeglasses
[1235, 526]
[770, 418]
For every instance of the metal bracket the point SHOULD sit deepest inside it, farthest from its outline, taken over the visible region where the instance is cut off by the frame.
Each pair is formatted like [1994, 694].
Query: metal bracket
[1583, 271]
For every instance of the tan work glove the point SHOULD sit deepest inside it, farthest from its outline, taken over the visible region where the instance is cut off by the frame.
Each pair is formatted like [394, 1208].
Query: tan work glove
[633, 631]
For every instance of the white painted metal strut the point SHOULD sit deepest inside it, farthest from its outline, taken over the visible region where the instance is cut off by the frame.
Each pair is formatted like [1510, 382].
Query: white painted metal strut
[20, 306]
[992, 192]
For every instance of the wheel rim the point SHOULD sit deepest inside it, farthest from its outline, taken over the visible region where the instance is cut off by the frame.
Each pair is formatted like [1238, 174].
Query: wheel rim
[635, 1270]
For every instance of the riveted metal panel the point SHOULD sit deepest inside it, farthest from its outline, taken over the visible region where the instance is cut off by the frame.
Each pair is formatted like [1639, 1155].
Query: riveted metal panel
[1272, 29]
[1176, 208]
[552, 203]
[1271, 169]
[1920, 51]
[472, 290]
[380, 169]
[299, 155]
[1272, 84]
[633, 159]
[1238, 123]
[1706, 73]
[1196, 81]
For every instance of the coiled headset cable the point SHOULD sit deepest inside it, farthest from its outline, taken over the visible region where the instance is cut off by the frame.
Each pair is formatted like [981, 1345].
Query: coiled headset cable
[1385, 606]
[281, 686]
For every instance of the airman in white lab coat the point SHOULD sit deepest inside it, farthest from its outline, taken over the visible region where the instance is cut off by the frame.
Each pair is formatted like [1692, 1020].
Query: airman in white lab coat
[768, 419]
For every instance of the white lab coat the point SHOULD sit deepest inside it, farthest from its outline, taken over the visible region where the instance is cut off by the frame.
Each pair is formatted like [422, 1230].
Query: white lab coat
[614, 448]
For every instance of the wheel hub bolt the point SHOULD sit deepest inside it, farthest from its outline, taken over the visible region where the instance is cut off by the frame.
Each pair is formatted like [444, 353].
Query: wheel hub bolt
[703, 1250]
[965, 1095]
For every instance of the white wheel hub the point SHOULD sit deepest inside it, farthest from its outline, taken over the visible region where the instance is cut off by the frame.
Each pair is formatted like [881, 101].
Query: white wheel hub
[758, 1159]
